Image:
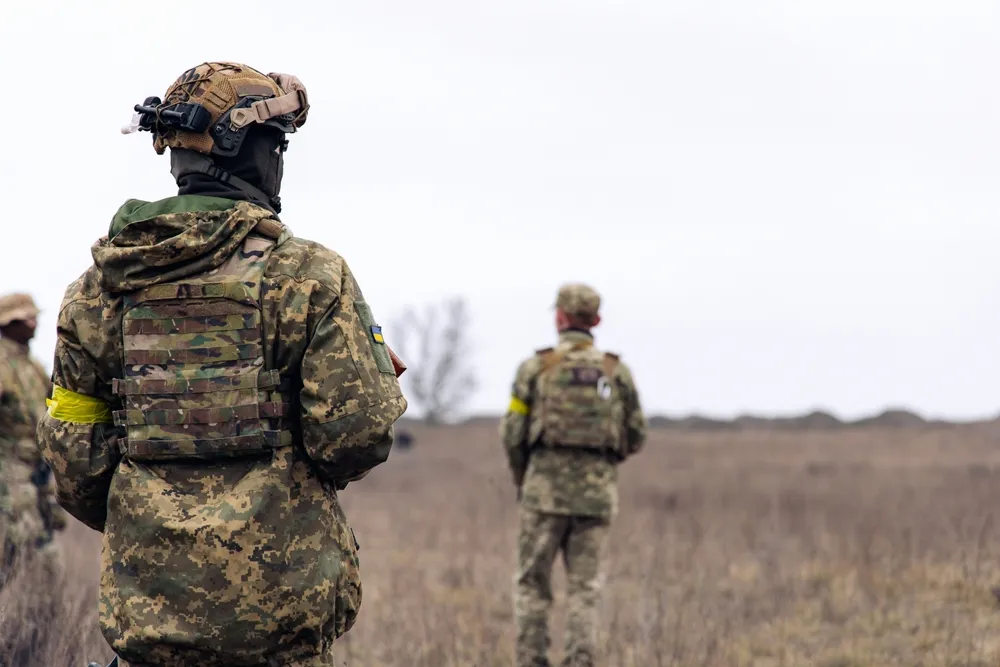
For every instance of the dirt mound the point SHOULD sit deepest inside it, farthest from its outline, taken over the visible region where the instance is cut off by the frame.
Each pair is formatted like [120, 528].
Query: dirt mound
[893, 418]
[817, 420]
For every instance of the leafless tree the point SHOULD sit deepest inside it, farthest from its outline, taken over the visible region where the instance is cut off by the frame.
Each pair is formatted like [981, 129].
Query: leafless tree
[435, 347]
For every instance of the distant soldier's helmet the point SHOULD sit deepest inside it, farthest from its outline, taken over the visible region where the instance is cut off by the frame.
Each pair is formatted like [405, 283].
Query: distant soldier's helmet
[210, 108]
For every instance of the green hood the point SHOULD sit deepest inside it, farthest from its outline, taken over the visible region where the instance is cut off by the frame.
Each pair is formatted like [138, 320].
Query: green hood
[157, 242]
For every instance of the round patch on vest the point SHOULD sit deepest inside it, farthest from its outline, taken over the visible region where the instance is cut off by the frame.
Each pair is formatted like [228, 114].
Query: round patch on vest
[604, 388]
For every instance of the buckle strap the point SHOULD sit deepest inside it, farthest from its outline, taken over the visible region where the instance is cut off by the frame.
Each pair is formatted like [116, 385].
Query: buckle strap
[264, 380]
[230, 447]
[278, 439]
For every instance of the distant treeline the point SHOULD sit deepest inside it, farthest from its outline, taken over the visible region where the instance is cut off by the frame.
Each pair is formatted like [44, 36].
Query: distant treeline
[814, 421]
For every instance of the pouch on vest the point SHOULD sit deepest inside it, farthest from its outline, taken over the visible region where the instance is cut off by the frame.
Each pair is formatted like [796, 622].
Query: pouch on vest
[195, 382]
[578, 399]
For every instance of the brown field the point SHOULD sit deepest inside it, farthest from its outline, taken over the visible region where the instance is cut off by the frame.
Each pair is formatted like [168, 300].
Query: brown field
[854, 548]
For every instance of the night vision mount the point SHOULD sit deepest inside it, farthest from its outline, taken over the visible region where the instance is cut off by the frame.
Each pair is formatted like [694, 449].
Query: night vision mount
[187, 117]
[227, 134]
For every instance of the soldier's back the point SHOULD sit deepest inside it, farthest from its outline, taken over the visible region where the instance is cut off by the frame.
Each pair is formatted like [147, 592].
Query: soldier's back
[572, 469]
[216, 526]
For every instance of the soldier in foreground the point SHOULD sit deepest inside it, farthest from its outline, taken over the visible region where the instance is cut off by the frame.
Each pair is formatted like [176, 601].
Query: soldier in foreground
[573, 417]
[28, 509]
[217, 380]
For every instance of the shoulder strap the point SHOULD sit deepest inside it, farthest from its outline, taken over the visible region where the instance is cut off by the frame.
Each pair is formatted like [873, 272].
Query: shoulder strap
[551, 357]
[610, 363]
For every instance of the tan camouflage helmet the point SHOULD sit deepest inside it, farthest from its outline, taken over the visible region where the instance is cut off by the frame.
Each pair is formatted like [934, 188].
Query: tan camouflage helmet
[233, 98]
[15, 307]
[578, 299]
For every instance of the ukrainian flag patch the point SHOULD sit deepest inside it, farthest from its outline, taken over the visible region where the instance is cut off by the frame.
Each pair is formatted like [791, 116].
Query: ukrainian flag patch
[377, 335]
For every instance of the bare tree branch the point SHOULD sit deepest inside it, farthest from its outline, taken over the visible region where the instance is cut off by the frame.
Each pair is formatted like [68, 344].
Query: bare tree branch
[435, 347]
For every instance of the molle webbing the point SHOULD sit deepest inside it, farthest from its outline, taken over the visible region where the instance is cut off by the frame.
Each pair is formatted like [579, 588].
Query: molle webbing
[236, 291]
[191, 324]
[266, 380]
[166, 450]
[195, 385]
[207, 355]
[219, 416]
[574, 410]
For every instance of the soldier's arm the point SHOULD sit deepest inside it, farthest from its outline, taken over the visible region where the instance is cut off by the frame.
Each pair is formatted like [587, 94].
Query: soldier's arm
[15, 422]
[7, 442]
[635, 420]
[515, 422]
[76, 435]
[55, 516]
[350, 395]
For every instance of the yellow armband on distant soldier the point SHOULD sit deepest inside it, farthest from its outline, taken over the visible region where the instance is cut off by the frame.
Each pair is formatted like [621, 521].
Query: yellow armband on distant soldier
[69, 406]
[517, 406]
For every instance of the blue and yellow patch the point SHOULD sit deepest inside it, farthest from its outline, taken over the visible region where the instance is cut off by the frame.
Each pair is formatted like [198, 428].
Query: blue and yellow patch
[377, 335]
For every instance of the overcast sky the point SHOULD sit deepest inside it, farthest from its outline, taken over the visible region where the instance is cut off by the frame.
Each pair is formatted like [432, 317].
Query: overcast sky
[786, 205]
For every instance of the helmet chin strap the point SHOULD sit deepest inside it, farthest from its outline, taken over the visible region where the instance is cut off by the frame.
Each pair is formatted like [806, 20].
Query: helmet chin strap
[183, 161]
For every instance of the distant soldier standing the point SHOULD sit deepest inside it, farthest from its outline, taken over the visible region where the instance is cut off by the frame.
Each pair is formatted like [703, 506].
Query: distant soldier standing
[28, 507]
[217, 381]
[573, 417]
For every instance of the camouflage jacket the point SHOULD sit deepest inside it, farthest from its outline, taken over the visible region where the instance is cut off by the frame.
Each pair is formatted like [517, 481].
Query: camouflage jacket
[564, 480]
[248, 561]
[30, 510]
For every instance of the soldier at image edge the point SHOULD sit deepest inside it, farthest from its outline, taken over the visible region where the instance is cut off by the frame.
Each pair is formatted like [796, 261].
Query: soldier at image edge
[217, 380]
[574, 416]
[29, 513]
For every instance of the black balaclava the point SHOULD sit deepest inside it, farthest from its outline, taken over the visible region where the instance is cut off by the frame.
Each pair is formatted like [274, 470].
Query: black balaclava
[260, 163]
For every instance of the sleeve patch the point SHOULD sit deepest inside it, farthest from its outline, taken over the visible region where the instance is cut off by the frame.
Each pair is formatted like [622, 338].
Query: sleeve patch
[375, 338]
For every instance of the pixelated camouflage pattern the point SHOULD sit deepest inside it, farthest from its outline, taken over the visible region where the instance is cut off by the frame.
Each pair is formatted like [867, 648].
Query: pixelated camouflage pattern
[217, 86]
[564, 480]
[30, 513]
[241, 562]
[578, 299]
[582, 541]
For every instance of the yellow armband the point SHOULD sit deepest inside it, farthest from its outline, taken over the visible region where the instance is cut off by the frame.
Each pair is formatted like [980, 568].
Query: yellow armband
[518, 406]
[69, 406]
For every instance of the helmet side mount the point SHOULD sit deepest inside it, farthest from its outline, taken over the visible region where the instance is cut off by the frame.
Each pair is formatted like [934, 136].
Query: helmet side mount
[227, 133]
[186, 116]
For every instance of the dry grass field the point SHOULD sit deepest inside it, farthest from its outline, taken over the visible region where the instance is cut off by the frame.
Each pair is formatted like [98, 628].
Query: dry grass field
[851, 548]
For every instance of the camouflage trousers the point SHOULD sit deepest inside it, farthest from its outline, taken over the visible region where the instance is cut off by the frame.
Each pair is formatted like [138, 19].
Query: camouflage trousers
[582, 541]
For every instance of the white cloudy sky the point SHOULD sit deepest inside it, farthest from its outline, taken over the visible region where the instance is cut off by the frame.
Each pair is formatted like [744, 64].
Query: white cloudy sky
[786, 205]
